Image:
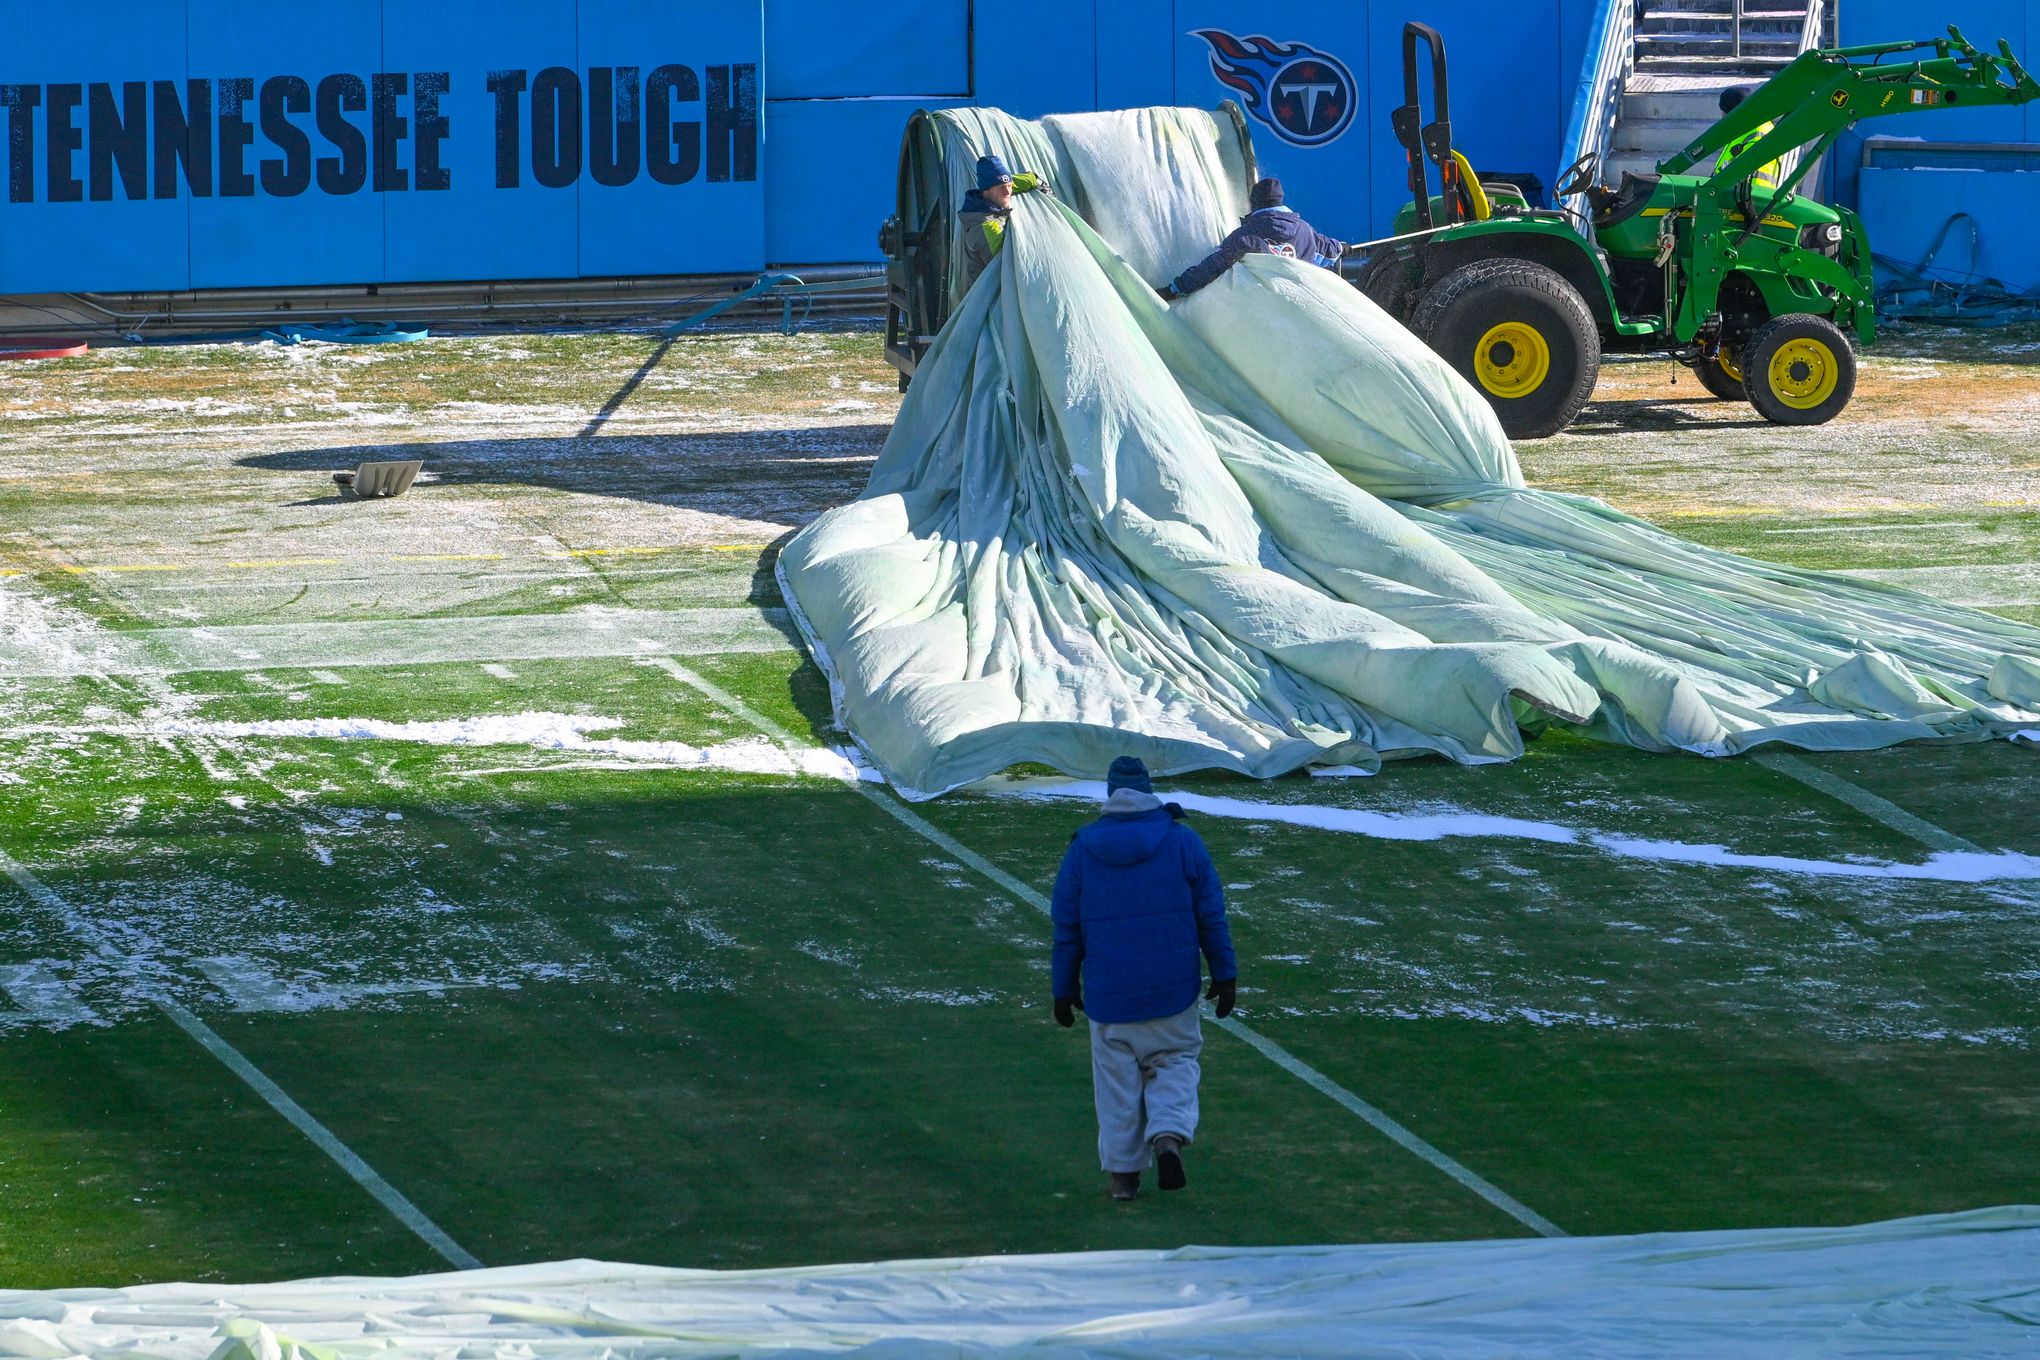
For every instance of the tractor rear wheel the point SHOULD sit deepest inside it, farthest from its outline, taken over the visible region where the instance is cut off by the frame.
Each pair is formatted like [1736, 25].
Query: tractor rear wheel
[1721, 376]
[1799, 370]
[1390, 281]
[1521, 335]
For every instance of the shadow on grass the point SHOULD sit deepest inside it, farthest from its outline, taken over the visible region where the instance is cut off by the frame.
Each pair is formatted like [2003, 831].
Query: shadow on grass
[1631, 414]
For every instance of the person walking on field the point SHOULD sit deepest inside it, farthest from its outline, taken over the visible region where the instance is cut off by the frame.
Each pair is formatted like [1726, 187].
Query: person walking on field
[1136, 901]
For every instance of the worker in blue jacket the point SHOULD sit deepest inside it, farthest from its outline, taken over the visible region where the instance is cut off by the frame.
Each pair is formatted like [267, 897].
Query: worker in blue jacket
[1270, 229]
[1136, 901]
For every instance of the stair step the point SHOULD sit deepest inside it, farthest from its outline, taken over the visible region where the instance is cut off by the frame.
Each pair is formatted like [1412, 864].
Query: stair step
[1718, 7]
[1754, 67]
[1649, 41]
[1720, 26]
[1659, 136]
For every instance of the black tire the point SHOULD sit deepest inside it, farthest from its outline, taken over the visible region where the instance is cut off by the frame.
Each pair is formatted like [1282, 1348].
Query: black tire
[1718, 380]
[1390, 282]
[1799, 370]
[1521, 335]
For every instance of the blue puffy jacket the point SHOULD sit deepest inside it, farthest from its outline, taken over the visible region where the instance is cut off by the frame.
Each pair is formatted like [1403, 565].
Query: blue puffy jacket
[1268, 231]
[1135, 901]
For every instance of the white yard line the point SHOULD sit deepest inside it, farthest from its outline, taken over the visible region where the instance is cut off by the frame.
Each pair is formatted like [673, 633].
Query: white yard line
[1844, 527]
[367, 1177]
[1268, 1048]
[1870, 804]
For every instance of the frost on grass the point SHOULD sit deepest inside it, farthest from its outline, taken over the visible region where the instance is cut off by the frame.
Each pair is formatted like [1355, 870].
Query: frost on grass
[541, 731]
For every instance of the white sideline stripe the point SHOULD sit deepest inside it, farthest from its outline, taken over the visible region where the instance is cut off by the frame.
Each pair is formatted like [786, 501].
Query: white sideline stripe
[1865, 802]
[1393, 1131]
[364, 1175]
[1268, 1048]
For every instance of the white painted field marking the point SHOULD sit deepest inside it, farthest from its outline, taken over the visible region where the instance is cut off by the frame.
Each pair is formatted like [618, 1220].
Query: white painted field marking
[328, 678]
[364, 1175]
[1380, 1121]
[1878, 809]
[500, 671]
[48, 999]
[1844, 527]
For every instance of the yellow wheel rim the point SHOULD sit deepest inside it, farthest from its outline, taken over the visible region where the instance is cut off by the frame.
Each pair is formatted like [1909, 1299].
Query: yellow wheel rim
[1804, 373]
[1512, 360]
[1726, 360]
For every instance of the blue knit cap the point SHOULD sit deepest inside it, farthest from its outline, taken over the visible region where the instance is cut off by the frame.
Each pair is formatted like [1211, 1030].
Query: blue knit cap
[1127, 772]
[990, 171]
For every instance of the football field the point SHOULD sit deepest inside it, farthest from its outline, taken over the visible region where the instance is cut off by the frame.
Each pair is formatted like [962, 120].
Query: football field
[476, 876]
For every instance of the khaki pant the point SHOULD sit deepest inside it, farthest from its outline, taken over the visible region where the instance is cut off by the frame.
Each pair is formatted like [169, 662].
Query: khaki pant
[1144, 1075]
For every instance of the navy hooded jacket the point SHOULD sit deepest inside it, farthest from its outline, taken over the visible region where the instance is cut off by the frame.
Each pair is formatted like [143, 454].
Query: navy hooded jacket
[1136, 900]
[1267, 231]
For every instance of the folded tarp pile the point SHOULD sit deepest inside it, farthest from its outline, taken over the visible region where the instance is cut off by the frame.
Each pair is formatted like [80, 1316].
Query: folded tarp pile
[1953, 1285]
[1267, 528]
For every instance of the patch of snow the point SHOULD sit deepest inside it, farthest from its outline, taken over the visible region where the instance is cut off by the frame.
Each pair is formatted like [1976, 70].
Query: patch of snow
[544, 731]
[1942, 867]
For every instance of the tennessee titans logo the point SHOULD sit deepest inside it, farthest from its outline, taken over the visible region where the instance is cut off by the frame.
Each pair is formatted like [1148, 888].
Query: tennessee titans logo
[1305, 95]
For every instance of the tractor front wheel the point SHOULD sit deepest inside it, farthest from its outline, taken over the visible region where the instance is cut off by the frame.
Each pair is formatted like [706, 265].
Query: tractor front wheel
[1798, 370]
[1521, 335]
[1390, 282]
[1721, 376]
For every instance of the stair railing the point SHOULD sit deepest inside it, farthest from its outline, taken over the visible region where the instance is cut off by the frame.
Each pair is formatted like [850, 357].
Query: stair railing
[1597, 98]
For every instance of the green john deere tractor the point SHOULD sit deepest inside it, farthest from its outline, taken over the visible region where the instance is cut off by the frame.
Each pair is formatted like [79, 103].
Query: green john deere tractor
[1752, 286]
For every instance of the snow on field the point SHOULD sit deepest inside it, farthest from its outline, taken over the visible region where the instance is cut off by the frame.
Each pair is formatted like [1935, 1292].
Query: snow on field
[543, 731]
[1941, 867]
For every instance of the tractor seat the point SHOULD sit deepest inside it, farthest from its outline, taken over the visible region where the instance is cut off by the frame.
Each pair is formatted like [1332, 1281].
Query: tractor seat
[1473, 193]
[1619, 205]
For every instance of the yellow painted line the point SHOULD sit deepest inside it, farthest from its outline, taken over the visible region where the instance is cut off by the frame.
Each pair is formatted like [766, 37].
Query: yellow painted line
[288, 562]
[137, 566]
[74, 570]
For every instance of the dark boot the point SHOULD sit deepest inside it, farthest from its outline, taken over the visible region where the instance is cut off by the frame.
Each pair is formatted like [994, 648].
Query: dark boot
[1169, 1162]
[1125, 1184]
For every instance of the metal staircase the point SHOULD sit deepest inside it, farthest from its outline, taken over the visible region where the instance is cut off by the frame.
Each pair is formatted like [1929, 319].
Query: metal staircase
[1686, 53]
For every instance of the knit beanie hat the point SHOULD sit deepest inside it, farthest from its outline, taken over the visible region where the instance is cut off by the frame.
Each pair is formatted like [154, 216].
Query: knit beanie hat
[1128, 772]
[990, 171]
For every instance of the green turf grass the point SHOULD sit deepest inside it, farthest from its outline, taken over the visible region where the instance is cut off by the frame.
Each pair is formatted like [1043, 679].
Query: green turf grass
[721, 1019]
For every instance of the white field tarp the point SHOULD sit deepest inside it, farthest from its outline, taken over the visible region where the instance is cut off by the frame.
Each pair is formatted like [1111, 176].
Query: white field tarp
[1956, 1285]
[1267, 528]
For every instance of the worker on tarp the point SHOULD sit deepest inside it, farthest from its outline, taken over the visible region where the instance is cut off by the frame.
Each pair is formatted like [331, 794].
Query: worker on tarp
[986, 211]
[1271, 228]
[1767, 174]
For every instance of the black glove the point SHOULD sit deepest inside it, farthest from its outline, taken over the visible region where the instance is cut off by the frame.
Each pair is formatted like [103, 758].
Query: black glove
[1064, 1008]
[1225, 994]
[1169, 293]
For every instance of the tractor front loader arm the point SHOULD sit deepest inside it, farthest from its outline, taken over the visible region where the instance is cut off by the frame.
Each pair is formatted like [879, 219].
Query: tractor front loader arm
[1824, 90]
